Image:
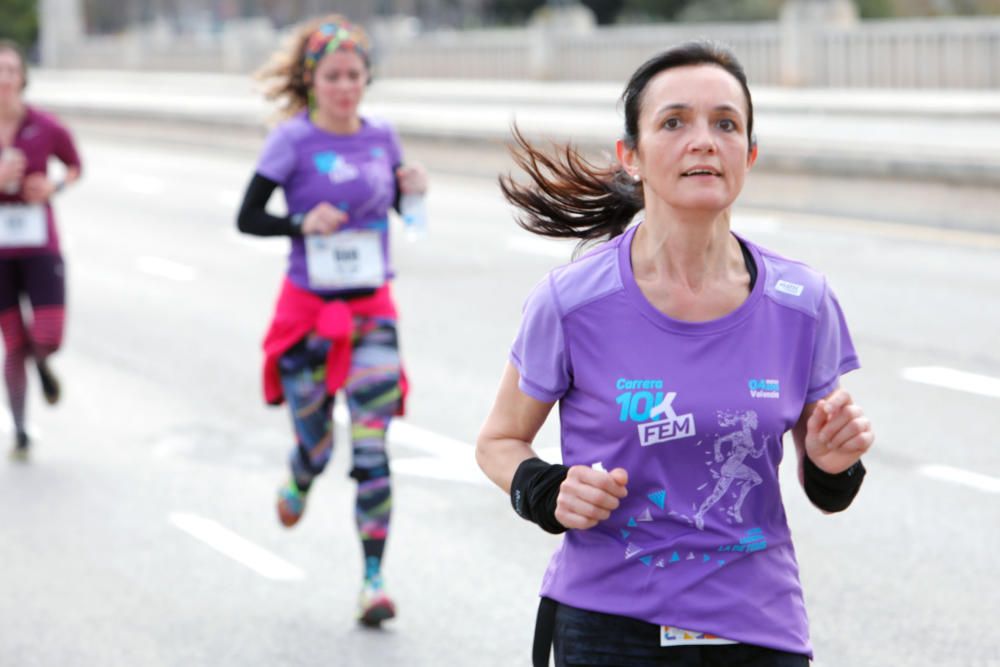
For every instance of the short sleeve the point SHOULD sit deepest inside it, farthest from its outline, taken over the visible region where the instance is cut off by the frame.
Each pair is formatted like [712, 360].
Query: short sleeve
[833, 354]
[63, 147]
[395, 147]
[539, 352]
[277, 159]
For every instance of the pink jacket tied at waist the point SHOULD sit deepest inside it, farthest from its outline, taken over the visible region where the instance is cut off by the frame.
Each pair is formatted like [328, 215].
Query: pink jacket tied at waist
[299, 313]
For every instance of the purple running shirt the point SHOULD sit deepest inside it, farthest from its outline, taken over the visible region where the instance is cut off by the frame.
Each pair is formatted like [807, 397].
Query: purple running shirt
[354, 173]
[695, 412]
[40, 136]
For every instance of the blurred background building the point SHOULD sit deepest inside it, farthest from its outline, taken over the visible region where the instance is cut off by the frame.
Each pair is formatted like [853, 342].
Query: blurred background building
[861, 43]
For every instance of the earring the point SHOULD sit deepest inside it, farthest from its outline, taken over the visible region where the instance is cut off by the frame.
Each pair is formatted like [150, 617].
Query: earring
[636, 177]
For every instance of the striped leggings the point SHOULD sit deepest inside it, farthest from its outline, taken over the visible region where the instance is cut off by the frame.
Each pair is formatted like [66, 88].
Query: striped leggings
[373, 394]
[41, 279]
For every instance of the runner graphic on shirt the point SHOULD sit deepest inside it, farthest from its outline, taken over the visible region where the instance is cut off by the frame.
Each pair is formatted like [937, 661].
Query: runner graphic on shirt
[734, 469]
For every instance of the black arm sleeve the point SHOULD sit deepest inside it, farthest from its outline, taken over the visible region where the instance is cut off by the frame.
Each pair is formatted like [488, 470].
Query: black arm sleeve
[253, 217]
[395, 179]
[832, 493]
[534, 491]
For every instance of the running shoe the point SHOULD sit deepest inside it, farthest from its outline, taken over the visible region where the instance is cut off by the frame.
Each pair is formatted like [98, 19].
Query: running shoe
[291, 504]
[21, 447]
[50, 383]
[374, 605]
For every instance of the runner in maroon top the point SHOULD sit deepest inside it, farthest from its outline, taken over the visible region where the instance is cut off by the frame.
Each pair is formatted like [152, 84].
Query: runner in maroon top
[31, 264]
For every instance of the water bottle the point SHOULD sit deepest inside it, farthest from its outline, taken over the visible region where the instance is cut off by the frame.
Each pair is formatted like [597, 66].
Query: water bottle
[11, 154]
[413, 208]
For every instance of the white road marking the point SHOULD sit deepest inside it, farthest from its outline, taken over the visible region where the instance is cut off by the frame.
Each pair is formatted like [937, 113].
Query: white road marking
[239, 549]
[950, 378]
[446, 459]
[963, 477]
[165, 268]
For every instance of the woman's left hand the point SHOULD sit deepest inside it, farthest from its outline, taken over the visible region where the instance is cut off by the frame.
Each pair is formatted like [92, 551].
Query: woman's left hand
[412, 179]
[838, 433]
[37, 189]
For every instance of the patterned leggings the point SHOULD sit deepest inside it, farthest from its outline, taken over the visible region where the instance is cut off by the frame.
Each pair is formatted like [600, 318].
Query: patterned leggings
[373, 395]
[41, 279]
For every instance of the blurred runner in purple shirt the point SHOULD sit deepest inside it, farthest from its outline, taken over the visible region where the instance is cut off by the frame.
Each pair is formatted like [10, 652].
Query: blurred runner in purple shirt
[340, 174]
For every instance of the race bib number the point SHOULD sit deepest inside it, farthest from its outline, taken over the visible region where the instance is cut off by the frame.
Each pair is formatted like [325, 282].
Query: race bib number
[671, 636]
[23, 226]
[349, 259]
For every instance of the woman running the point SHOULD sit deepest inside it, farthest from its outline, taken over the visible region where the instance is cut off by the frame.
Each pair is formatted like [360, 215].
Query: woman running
[32, 271]
[680, 354]
[334, 325]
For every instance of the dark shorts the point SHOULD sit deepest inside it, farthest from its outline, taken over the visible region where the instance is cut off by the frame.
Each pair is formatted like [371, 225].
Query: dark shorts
[590, 638]
[42, 278]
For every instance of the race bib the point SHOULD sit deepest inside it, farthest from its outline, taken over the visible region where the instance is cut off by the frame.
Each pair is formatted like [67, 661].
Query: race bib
[23, 226]
[349, 259]
[671, 636]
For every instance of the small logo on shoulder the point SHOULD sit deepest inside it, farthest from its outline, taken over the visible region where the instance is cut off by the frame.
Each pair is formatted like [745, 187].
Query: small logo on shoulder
[765, 388]
[789, 288]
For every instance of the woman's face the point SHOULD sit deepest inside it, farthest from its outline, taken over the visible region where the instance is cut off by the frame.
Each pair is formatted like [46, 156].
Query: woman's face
[339, 83]
[693, 152]
[11, 76]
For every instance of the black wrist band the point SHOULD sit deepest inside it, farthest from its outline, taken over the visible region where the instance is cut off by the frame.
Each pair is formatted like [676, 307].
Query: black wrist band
[832, 493]
[297, 220]
[534, 491]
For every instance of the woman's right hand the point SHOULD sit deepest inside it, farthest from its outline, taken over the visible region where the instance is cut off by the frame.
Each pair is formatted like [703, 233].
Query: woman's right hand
[588, 496]
[323, 219]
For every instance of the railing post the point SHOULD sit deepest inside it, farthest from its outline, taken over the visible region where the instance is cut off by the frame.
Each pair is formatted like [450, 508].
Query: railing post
[801, 45]
[60, 30]
[548, 24]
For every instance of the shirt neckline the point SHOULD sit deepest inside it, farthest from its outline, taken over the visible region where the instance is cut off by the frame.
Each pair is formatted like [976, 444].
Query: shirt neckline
[664, 321]
[316, 128]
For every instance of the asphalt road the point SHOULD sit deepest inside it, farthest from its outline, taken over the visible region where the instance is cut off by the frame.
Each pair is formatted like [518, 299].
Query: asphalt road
[143, 532]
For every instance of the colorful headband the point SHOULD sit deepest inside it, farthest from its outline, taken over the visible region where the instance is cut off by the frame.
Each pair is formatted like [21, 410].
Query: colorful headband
[331, 37]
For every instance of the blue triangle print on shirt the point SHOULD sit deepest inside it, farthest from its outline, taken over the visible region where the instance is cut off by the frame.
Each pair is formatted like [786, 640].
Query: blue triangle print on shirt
[625, 534]
[658, 497]
[324, 161]
[647, 560]
[632, 523]
[675, 558]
